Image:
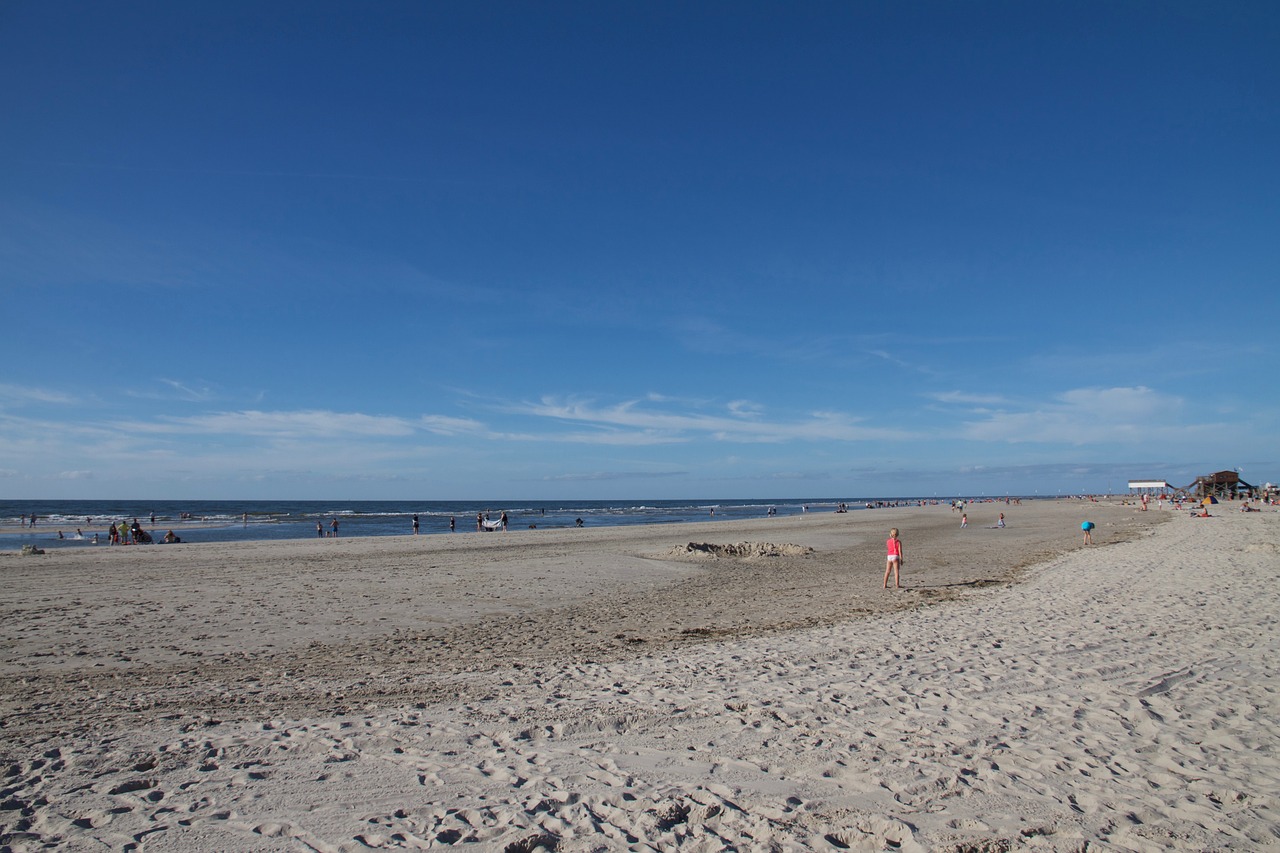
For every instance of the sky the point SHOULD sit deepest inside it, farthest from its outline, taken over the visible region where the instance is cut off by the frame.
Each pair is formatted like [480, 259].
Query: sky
[627, 250]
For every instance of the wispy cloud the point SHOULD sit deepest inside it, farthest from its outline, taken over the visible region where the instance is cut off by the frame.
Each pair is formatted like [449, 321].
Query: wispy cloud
[745, 409]
[312, 423]
[968, 399]
[900, 362]
[184, 391]
[597, 476]
[1081, 416]
[616, 437]
[444, 425]
[25, 394]
[737, 422]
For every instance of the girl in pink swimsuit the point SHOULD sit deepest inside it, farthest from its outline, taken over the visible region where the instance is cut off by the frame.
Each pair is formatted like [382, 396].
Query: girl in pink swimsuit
[895, 559]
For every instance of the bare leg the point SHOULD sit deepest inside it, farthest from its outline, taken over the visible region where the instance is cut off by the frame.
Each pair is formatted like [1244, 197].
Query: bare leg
[891, 567]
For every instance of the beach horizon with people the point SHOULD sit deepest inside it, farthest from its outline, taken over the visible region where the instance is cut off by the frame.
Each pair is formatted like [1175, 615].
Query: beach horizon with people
[201, 521]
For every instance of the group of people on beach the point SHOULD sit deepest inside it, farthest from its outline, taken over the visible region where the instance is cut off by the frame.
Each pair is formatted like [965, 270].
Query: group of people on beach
[964, 521]
[484, 523]
[126, 534]
[896, 557]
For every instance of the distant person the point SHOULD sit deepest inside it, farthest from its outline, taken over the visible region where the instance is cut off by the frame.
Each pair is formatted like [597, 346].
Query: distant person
[578, 522]
[1087, 527]
[320, 530]
[1000, 523]
[894, 559]
[170, 537]
[244, 519]
[415, 524]
[964, 520]
[503, 519]
[479, 521]
[334, 525]
[453, 523]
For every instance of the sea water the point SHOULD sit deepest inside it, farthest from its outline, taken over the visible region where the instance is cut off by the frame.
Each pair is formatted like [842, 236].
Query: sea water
[232, 521]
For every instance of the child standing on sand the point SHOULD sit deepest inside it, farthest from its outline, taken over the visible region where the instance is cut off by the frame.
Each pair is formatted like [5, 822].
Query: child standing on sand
[894, 560]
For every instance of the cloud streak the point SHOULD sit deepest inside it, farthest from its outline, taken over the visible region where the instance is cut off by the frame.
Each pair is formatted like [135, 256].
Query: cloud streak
[21, 394]
[741, 421]
[1075, 417]
[302, 424]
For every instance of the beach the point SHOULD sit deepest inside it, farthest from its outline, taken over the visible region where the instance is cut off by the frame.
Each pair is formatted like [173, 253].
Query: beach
[616, 689]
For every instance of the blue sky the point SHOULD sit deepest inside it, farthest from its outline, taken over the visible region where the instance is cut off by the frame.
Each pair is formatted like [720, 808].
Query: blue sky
[623, 250]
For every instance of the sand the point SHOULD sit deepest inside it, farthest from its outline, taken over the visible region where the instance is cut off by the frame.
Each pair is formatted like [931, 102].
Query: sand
[612, 690]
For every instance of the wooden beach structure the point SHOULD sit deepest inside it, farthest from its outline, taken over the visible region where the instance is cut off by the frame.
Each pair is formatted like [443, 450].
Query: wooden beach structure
[1221, 485]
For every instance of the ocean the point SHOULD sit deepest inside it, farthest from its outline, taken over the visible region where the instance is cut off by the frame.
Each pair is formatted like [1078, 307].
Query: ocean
[233, 521]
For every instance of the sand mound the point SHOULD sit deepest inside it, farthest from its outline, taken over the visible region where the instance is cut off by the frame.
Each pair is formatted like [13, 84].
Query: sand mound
[741, 549]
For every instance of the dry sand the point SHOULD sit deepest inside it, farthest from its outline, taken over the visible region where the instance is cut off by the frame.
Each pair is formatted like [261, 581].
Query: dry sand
[598, 690]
